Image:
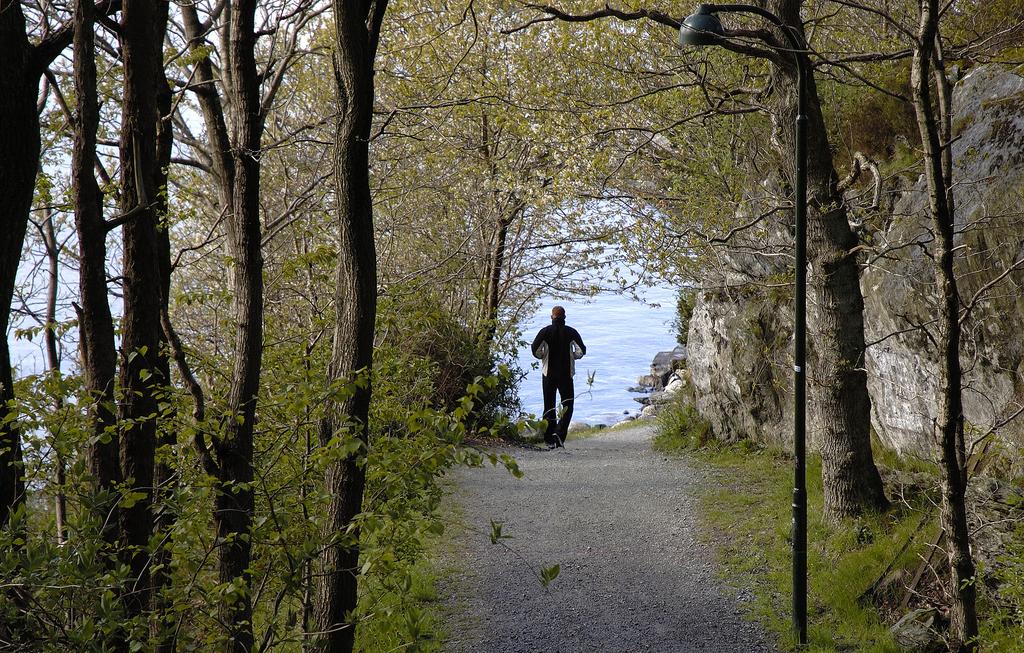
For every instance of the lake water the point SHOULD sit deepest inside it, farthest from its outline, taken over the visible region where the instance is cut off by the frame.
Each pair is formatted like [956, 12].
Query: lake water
[622, 336]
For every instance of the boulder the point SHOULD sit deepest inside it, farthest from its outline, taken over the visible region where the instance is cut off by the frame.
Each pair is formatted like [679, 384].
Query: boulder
[646, 383]
[666, 362]
[675, 383]
[662, 368]
[915, 631]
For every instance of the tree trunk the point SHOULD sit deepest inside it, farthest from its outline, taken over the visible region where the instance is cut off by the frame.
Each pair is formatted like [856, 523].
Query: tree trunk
[234, 502]
[496, 265]
[505, 212]
[212, 109]
[140, 340]
[19, 161]
[949, 423]
[237, 170]
[96, 326]
[840, 405]
[60, 505]
[163, 472]
[357, 30]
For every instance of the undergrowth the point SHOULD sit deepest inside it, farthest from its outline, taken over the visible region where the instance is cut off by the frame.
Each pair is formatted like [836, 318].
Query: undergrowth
[407, 616]
[746, 514]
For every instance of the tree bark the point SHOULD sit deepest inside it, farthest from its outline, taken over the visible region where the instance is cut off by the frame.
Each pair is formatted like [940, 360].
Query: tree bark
[140, 340]
[163, 473]
[496, 266]
[840, 405]
[505, 212]
[949, 423]
[236, 141]
[60, 505]
[19, 161]
[234, 502]
[96, 326]
[357, 32]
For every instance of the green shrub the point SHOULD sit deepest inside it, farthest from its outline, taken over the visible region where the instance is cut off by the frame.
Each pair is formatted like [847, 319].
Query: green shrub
[681, 428]
[431, 389]
[685, 302]
[426, 357]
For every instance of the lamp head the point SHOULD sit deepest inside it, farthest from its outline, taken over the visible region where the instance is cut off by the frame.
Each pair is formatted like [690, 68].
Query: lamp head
[702, 27]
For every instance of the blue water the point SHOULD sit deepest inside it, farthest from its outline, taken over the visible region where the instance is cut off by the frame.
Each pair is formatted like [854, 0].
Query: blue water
[622, 336]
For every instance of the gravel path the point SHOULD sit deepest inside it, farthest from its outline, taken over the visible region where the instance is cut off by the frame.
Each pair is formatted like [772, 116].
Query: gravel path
[620, 521]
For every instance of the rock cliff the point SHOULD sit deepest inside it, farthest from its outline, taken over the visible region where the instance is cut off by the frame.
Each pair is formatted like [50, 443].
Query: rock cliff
[740, 339]
[899, 296]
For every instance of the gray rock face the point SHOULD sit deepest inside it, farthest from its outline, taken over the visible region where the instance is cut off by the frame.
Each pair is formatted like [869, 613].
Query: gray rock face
[739, 337]
[899, 293]
[740, 348]
[737, 353]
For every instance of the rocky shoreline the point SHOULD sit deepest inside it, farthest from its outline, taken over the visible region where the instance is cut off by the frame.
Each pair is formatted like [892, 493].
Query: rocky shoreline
[668, 377]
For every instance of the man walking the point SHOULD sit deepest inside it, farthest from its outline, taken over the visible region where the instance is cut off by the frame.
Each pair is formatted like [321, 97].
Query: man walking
[558, 346]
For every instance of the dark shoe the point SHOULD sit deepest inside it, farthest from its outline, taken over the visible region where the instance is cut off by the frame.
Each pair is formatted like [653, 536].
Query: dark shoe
[552, 445]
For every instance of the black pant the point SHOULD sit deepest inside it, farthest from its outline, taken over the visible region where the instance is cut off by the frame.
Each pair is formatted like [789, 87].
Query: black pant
[557, 427]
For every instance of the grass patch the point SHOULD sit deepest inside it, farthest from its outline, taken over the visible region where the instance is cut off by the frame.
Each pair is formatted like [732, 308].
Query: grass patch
[680, 429]
[890, 459]
[590, 431]
[747, 516]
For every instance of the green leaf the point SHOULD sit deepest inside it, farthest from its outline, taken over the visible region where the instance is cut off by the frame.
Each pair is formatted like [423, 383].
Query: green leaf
[548, 574]
[496, 533]
[129, 499]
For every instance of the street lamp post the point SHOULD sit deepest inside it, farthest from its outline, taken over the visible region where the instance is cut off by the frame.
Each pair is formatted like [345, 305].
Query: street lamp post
[704, 28]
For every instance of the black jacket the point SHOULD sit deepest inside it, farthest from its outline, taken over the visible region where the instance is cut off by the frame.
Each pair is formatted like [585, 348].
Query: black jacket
[559, 359]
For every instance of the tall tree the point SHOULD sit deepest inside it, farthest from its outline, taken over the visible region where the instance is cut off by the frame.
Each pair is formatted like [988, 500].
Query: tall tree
[19, 161]
[22, 63]
[841, 407]
[236, 138]
[53, 249]
[142, 53]
[933, 111]
[163, 472]
[96, 326]
[357, 35]
[474, 197]
[235, 450]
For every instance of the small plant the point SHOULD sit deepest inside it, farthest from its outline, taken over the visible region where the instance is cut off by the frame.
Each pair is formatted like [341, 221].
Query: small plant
[681, 428]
